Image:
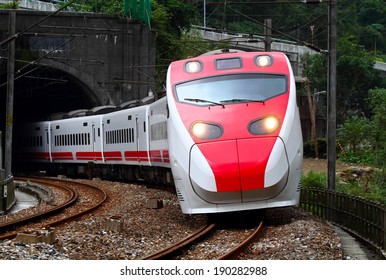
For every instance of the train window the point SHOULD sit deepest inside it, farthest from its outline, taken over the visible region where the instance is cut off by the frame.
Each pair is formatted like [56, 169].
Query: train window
[99, 132]
[129, 118]
[88, 138]
[41, 141]
[158, 131]
[37, 128]
[144, 127]
[231, 89]
[108, 121]
[58, 126]
[85, 124]
[228, 63]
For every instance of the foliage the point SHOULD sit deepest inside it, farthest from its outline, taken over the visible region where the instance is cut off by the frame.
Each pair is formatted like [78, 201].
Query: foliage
[314, 180]
[364, 139]
[371, 188]
[377, 100]
[315, 69]
[170, 18]
[309, 148]
[375, 190]
[9, 5]
[355, 74]
[363, 20]
[362, 156]
[353, 133]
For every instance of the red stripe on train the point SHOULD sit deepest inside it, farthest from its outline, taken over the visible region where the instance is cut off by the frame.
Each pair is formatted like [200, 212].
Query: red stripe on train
[62, 156]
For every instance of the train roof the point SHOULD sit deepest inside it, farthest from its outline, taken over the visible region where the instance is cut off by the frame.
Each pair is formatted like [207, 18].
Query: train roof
[99, 110]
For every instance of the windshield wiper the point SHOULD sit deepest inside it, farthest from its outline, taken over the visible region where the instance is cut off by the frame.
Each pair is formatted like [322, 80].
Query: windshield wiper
[242, 100]
[197, 100]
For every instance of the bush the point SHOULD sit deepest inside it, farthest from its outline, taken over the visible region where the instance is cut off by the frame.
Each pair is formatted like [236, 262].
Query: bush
[309, 151]
[314, 180]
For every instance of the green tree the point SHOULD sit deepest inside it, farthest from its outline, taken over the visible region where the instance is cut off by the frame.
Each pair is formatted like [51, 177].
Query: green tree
[170, 18]
[377, 100]
[315, 69]
[353, 132]
[355, 75]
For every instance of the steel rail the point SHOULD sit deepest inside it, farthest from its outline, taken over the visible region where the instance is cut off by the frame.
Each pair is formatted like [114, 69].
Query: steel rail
[73, 196]
[179, 245]
[235, 251]
[60, 207]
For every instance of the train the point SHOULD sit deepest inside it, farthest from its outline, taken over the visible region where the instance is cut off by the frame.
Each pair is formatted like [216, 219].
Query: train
[226, 135]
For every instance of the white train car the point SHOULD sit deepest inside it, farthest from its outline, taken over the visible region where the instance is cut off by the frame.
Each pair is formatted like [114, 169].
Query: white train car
[33, 142]
[76, 140]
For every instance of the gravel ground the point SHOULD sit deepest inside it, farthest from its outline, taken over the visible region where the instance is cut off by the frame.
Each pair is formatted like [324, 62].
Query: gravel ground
[290, 233]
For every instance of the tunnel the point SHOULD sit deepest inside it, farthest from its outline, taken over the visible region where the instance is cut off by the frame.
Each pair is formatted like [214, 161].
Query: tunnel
[41, 92]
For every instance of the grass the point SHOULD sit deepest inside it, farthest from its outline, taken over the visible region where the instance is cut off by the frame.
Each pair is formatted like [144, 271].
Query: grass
[373, 188]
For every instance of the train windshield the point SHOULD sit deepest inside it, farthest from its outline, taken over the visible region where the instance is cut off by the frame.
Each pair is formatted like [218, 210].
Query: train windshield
[228, 89]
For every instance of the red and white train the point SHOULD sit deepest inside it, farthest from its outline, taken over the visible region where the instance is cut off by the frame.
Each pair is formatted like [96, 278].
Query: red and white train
[227, 135]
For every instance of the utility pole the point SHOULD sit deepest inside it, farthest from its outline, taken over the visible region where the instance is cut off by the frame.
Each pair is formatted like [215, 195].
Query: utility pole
[1, 150]
[10, 94]
[204, 13]
[331, 97]
[267, 34]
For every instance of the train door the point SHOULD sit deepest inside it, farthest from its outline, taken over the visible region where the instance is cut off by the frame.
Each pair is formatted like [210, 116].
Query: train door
[137, 138]
[93, 139]
[102, 141]
[48, 142]
[141, 137]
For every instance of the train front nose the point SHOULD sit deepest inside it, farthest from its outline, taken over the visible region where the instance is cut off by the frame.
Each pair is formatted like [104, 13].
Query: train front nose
[233, 170]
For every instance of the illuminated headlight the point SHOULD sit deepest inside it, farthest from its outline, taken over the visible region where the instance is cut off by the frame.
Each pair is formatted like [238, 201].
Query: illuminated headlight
[263, 60]
[265, 125]
[193, 67]
[206, 131]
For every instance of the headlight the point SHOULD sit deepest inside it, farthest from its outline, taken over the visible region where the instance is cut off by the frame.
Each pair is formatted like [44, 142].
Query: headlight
[193, 67]
[266, 125]
[263, 60]
[206, 131]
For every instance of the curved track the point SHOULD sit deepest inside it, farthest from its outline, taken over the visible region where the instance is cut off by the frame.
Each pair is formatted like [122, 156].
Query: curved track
[232, 253]
[174, 249]
[171, 250]
[71, 189]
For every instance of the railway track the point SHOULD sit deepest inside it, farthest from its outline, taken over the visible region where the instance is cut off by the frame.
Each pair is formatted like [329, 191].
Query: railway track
[175, 249]
[77, 197]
